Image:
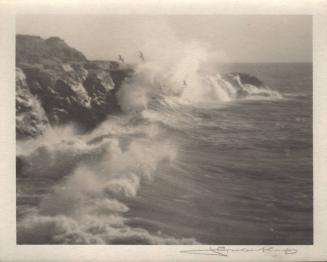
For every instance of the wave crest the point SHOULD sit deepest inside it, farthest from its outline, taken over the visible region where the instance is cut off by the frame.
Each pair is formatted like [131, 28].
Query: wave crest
[186, 82]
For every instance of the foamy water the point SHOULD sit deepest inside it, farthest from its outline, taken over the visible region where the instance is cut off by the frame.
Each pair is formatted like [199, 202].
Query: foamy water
[187, 162]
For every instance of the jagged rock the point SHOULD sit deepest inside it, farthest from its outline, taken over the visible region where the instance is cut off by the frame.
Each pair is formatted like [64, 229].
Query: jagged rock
[31, 119]
[249, 79]
[35, 50]
[56, 84]
[237, 80]
[64, 85]
[100, 64]
[119, 75]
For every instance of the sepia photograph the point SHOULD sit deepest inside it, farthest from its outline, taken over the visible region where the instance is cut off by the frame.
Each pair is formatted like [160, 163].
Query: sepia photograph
[164, 129]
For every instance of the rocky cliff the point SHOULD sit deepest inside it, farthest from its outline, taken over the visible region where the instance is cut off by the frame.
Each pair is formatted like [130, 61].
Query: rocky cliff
[56, 84]
[35, 50]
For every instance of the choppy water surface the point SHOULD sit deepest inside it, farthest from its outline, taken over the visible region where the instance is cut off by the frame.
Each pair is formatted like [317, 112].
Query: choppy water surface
[178, 171]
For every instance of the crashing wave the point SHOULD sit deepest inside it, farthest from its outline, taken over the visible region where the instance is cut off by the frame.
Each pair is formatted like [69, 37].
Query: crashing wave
[92, 180]
[94, 175]
[185, 83]
[90, 230]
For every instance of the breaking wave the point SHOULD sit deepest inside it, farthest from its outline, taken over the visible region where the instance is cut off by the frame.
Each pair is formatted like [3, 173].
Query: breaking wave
[184, 82]
[93, 175]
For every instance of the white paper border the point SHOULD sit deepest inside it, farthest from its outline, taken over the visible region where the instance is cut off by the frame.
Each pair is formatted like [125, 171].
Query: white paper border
[9, 251]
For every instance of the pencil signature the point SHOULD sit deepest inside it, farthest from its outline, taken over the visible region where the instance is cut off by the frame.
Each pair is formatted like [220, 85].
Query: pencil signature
[225, 251]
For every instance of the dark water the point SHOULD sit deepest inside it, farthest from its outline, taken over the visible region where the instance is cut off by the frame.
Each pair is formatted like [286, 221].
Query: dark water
[242, 174]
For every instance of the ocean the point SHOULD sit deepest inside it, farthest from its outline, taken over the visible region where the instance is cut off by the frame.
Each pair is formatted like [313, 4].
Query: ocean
[209, 168]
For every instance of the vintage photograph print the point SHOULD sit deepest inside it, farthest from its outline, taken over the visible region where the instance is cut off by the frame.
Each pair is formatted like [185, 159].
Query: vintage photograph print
[164, 129]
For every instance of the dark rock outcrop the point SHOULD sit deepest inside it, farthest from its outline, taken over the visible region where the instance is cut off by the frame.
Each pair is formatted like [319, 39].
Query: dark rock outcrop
[31, 119]
[56, 84]
[238, 80]
[242, 78]
[35, 50]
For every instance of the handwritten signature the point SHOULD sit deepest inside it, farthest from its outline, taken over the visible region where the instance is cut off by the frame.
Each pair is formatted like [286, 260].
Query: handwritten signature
[225, 252]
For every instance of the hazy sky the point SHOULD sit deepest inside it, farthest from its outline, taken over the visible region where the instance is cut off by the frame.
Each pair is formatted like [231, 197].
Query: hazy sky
[236, 38]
